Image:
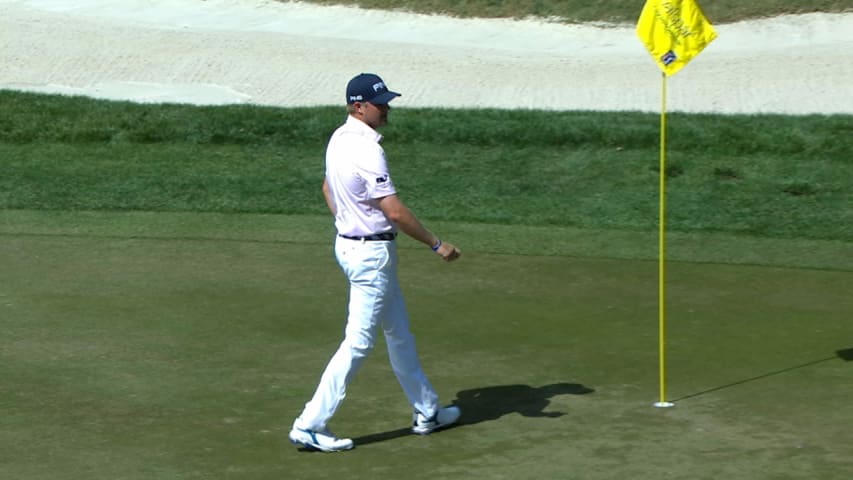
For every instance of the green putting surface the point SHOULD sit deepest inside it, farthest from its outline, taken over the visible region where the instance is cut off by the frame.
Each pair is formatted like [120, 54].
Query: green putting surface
[181, 346]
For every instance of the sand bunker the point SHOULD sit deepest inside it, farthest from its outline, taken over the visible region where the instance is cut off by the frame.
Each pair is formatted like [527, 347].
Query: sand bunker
[295, 54]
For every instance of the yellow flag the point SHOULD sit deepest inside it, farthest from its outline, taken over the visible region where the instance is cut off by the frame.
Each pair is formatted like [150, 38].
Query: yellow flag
[674, 32]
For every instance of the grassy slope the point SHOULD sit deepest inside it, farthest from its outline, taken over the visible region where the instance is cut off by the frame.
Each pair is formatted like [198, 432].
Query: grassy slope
[765, 176]
[718, 11]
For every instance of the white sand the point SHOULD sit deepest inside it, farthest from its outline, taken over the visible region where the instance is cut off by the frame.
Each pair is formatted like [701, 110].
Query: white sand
[293, 54]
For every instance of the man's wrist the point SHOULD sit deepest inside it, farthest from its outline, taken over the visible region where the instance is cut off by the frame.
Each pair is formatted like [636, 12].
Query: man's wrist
[436, 246]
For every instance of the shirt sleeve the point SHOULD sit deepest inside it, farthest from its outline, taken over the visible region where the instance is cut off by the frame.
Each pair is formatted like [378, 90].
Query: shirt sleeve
[376, 176]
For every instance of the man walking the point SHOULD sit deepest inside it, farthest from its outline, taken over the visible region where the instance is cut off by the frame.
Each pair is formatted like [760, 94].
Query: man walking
[360, 193]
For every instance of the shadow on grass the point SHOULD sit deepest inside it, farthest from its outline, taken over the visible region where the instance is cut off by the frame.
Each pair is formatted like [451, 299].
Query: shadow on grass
[490, 403]
[845, 354]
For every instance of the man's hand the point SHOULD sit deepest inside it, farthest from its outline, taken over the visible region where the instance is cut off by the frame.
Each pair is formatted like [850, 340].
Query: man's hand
[448, 252]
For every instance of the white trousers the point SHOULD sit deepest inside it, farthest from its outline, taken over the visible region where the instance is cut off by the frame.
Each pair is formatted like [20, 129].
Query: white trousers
[375, 301]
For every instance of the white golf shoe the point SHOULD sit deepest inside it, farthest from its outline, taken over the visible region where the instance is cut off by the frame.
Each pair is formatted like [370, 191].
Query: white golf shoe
[443, 418]
[324, 440]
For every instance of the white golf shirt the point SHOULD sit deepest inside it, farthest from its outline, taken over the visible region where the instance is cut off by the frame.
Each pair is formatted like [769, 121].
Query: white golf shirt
[357, 176]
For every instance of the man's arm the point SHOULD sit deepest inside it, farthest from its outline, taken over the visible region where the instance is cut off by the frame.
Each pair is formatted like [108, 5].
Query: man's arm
[406, 220]
[328, 195]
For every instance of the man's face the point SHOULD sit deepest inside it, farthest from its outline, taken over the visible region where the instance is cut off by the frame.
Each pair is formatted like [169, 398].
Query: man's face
[374, 115]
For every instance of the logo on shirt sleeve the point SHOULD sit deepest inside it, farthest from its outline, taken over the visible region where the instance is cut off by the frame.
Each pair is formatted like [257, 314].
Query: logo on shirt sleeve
[382, 179]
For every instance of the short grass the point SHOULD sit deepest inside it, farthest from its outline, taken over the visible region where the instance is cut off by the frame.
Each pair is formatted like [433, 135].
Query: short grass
[181, 345]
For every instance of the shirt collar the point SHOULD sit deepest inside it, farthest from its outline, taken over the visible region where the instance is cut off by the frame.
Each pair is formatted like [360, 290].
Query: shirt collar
[357, 126]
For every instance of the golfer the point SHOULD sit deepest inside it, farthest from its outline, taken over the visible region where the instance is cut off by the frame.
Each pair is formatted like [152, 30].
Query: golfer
[360, 193]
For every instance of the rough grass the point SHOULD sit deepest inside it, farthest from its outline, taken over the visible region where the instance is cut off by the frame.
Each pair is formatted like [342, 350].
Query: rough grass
[758, 175]
[616, 11]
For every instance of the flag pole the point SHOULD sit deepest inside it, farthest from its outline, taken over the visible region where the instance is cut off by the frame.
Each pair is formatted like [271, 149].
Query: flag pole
[673, 32]
[662, 254]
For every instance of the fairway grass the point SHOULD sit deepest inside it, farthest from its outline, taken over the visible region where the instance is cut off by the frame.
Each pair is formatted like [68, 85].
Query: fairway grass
[180, 346]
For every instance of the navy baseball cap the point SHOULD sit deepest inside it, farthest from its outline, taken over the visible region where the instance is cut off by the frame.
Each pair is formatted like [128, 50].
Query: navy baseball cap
[368, 87]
